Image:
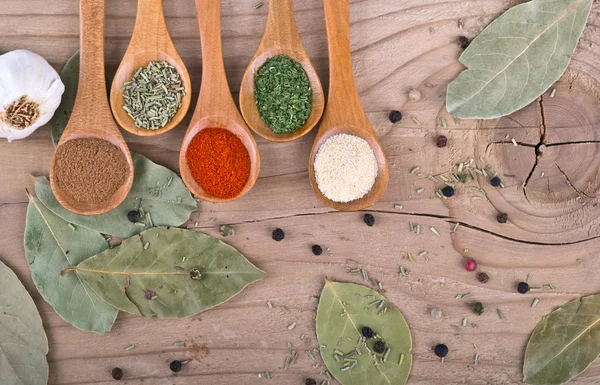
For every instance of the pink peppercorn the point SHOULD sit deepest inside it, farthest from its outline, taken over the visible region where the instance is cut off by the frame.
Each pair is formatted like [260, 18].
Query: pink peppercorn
[471, 265]
[150, 294]
[441, 141]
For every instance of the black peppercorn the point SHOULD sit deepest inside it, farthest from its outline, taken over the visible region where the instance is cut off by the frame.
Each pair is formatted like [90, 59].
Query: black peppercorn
[367, 332]
[441, 350]
[395, 116]
[478, 308]
[523, 287]
[117, 373]
[175, 366]
[464, 42]
[379, 347]
[278, 235]
[448, 191]
[483, 277]
[310, 381]
[369, 220]
[134, 216]
[441, 141]
[317, 250]
[495, 181]
[502, 217]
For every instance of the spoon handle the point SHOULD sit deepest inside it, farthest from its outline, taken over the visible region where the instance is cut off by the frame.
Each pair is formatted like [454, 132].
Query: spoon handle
[91, 90]
[215, 97]
[281, 29]
[150, 19]
[343, 95]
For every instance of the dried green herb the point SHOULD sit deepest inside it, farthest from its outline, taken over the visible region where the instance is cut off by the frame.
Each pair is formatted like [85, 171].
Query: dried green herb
[517, 58]
[23, 342]
[226, 230]
[124, 275]
[153, 96]
[564, 344]
[283, 94]
[156, 190]
[50, 247]
[344, 309]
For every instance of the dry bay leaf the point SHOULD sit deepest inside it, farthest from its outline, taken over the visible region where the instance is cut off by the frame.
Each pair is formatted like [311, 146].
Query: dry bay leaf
[51, 246]
[23, 342]
[167, 272]
[70, 78]
[156, 189]
[564, 344]
[517, 58]
[344, 309]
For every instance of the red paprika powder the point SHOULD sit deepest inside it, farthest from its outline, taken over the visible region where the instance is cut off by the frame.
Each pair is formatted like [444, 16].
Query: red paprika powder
[219, 162]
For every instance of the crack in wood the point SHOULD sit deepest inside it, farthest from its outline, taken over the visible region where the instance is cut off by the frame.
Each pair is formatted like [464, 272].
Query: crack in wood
[570, 183]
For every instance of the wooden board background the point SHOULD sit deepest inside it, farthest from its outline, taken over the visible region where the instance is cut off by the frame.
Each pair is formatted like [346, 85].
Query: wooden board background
[553, 233]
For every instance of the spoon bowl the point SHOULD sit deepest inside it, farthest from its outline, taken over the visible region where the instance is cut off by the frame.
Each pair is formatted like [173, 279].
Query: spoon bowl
[344, 114]
[215, 107]
[91, 117]
[150, 42]
[280, 37]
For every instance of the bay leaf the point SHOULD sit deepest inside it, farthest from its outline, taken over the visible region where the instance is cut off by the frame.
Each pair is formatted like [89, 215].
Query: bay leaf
[156, 189]
[70, 78]
[167, 272]
[51, 245]
[344, 309]
[564, 344]
[517, 58]
[23, 342]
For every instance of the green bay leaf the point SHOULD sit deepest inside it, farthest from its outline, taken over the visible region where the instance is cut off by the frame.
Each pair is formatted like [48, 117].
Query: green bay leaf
[23, 342]
[70, 78]
[151, 274]
[51, 245]
[564, 344]
[156, 189]
[517, 58]
[344, 309]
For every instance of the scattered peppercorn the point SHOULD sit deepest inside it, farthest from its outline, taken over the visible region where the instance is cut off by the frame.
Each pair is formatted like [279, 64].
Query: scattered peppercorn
[379, 347]
[134, 216]
[523, 287]
[478, 308]
[502, 217]
[495, 181]
[367, 332]
[310, 381]
[464, 42]
[395, 116]
[483, 277]
[441, 141]
[278, 235]
[317, 250]
[441, 350]
[448, 191]
[471, 265]
[175, 366]
[369, 220]
[117, 373]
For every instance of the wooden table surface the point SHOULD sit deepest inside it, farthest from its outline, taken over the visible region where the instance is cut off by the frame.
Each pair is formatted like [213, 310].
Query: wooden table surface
[553, 232]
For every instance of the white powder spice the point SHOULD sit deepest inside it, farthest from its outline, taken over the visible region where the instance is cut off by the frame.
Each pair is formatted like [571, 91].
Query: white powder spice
[345, 168]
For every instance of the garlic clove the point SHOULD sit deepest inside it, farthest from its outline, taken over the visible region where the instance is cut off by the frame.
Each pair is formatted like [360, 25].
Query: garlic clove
[24, 74]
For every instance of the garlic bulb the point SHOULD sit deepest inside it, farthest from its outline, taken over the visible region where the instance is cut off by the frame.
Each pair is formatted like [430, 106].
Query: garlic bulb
[30, 92]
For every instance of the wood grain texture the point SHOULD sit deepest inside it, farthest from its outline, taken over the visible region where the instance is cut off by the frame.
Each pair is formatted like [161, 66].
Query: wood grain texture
[396, 46]
[150, 42]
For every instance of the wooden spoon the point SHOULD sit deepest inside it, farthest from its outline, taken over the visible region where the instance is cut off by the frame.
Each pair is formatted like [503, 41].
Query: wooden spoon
[344, 114]
[215, 107]
[150, 42]
[91, 117]
[281, 37]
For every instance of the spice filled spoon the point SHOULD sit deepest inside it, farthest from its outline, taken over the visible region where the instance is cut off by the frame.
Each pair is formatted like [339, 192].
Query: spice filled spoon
[223, 153]
[91, 171]
[281, 37]
[151, 42]
[345, 129]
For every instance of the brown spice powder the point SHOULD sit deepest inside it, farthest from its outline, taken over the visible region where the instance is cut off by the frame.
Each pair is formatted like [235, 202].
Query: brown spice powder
[90, 170]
